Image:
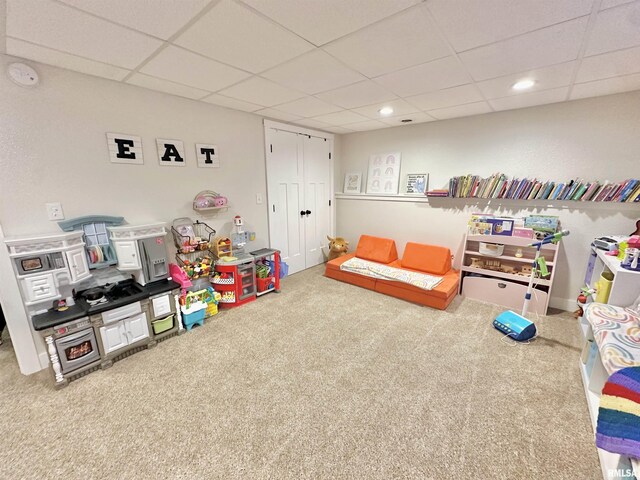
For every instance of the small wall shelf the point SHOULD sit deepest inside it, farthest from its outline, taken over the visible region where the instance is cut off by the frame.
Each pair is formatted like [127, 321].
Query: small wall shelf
[383, 198]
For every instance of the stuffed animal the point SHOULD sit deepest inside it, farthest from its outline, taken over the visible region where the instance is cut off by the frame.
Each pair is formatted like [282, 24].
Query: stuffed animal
[337, 247]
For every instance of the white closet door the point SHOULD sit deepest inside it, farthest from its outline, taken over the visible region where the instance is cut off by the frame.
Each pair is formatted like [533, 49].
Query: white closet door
[285, 188]
[317, 175]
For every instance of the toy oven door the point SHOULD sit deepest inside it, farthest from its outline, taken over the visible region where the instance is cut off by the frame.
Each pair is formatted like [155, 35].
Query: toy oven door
[77, 350]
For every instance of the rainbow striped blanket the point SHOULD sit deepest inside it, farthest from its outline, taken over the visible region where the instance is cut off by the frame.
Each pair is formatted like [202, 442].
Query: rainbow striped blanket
[385, 272]
[618, 428]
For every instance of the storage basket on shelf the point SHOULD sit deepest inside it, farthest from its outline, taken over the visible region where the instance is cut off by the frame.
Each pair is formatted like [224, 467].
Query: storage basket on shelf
[190, 236]
[162, 325]
[492, 249]
[266, 283]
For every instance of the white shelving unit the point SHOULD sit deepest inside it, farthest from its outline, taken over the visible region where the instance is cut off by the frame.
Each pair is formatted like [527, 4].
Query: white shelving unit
[610, 463]
[503, 286]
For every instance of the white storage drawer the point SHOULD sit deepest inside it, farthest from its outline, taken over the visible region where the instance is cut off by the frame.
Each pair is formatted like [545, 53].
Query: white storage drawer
[503, 292]
[121, 313]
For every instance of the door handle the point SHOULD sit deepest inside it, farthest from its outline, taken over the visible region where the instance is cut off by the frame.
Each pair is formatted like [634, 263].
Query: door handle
[302, 213]
[308, 212]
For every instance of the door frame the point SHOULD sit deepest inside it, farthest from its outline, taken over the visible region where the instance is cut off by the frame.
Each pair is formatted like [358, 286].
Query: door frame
[330, 137]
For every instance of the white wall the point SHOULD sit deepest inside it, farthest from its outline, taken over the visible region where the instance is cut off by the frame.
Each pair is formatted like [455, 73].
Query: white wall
[54, 149]
[592, 139]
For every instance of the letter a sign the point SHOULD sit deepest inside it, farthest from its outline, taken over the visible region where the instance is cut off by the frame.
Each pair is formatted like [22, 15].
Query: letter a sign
[171, 152]
[125, 148]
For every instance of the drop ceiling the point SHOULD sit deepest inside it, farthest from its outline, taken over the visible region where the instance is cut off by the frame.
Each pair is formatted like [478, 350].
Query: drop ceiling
[333, 64]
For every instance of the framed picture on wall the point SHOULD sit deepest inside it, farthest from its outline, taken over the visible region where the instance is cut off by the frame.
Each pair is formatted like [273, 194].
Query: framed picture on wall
[416, 184]
[352, 182]
[384, 174]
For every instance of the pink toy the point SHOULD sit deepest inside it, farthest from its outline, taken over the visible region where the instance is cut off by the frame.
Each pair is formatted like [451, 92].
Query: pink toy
[220, 201]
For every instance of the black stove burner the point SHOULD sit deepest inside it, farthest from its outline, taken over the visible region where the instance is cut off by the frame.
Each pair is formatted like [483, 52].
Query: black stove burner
[110, 295]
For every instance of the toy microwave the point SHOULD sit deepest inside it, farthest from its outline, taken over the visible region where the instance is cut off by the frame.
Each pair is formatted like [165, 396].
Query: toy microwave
[605, 243]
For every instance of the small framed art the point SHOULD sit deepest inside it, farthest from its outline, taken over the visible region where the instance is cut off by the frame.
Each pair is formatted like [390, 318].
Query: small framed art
[352, 182]
[416, 183]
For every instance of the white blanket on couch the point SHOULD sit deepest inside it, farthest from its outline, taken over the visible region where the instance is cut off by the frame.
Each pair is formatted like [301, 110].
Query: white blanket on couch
[385, 272]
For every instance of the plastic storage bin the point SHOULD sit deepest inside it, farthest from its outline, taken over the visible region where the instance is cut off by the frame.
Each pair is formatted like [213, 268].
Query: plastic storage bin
[265, 283]
[194, 314]
[163, 324]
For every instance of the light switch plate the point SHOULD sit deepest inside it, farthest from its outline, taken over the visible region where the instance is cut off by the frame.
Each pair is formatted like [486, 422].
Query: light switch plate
[54, 211]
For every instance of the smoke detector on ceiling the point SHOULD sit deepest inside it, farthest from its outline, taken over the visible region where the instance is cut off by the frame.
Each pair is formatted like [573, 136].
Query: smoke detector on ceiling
[23, 75]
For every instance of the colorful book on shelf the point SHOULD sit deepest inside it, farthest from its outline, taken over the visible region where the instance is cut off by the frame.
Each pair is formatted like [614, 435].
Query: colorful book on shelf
[604, 191]
[590, 192]
[635, 194]
[580, 191]
[557, 190]
[438, 193]
[547, 191]
[629, 187]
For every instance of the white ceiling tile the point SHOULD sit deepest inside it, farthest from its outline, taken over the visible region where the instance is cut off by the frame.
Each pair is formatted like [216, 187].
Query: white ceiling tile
[524, 100]
[399, 106]
[277, 114]
[357, 95]
[622, 62]
[41, 54]
[308, 107]
[460, 110]
[472, 23]
[341, 118]
[436, 75]
[557, 44]
[64, 28]
[418, 117]
[368, 125]
[231, 103]
[323, 21]
[608, 86]
[339, 130]
[234, 34]
[546, 78]
[313, 72]
[613, 3]
[308, 122]
[448, 97]
[160, 18]
[401, 41]
[165, 86]
[182, 66]
[614, 29]
[261, 92]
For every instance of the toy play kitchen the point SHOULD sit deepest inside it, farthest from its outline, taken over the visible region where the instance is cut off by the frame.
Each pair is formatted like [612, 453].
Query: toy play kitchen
[237, 280]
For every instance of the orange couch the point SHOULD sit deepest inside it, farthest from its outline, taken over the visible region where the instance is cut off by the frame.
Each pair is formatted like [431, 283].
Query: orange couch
[418, 257]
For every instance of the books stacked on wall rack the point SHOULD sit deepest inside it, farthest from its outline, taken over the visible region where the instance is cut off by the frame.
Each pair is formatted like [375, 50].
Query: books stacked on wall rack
[533, 226]
[437, 193]
[499, 186]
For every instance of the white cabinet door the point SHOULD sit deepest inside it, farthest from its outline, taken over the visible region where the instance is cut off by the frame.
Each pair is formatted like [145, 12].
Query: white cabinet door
[136, 328]
[78, 266]
[285, 188]
[38, 288]
[317, 175]
[113, 337]
[128, 256]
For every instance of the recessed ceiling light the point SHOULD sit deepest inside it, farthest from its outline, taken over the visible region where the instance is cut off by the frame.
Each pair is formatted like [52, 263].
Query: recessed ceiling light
[523, 84]
[385, 111]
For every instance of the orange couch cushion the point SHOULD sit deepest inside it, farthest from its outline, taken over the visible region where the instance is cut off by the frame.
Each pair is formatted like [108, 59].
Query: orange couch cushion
[376, 249]
[426, 258]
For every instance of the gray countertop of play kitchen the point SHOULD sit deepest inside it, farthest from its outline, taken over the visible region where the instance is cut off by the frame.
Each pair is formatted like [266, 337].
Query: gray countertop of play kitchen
[160, 287]
[53, 317]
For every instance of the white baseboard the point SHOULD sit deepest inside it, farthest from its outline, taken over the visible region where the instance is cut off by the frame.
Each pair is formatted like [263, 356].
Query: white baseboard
[568, 305]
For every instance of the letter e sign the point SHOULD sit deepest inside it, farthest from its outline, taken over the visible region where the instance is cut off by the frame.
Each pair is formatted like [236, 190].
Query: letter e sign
[125, 148]
[171, 152]
[207, 155]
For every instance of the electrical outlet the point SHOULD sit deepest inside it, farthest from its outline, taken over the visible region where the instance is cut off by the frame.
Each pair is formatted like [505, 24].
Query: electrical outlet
[259, 198]
[54, 211]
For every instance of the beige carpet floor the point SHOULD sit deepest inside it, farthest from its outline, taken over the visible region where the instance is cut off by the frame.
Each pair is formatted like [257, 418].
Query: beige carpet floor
[325, 380]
